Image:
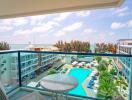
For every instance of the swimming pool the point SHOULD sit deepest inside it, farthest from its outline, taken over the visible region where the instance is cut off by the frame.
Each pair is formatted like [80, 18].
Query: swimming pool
[80, 74]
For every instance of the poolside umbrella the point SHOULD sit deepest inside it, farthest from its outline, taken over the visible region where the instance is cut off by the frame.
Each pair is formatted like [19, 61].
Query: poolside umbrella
[83, 63]
[96, 64]
[88, 65]
[94, 61]
[74, 63]
[80, 64]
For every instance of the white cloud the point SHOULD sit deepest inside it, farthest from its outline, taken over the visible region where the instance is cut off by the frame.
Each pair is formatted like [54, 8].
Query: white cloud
[5, 28]
[43, 35]
[129, 23]
[89, 31]
[43, 28]
[122, 11]
[15, 22]
[20, 21]
[60, 33]
[7, 22]
[35, 20]
[49, 23]
[73, 26]
[111, 33]
[21, 32]
[117, 25]
[83, 13]
[69, 28]
[62, 16]
[122, 14]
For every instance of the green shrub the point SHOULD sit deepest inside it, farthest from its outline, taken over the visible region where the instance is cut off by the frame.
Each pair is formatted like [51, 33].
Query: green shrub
[52, 71]
[113, 71]
[98, 58]
[124, 87]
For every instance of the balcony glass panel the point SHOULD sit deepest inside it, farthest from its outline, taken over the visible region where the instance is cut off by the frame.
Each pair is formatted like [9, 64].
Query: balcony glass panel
[98, 76]
[9, 71]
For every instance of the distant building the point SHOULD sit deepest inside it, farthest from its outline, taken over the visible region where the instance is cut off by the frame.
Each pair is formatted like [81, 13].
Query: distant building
[124, 63]
[42, 48]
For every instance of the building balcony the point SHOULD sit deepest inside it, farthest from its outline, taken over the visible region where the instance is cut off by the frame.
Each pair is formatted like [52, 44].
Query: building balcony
[97, 75]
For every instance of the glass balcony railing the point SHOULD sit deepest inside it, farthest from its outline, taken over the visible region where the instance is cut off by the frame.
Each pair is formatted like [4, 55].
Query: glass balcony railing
[9, 74]
[103, 76]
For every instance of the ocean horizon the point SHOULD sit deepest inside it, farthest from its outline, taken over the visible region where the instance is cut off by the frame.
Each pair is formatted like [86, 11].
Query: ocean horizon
[24, 46]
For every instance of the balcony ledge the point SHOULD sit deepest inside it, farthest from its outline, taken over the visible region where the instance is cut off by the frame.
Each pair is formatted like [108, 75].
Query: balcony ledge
[21, 91]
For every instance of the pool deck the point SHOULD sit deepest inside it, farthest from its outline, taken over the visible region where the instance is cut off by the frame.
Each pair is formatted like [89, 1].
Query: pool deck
[88, 91]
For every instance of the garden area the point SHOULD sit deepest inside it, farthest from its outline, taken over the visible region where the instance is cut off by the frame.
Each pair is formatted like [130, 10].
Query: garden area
[110, 83]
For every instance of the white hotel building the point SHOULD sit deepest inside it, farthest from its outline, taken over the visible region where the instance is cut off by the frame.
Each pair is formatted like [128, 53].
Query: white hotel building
[125, 63]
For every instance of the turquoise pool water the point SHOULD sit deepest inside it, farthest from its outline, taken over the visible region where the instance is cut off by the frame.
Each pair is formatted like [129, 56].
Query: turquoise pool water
[80, 74]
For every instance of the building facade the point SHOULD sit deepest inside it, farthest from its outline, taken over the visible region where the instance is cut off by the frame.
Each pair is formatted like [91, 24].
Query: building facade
[32, 65]
[125, 63]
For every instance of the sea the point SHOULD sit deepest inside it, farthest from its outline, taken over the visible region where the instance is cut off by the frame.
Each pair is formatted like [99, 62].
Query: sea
[24, 46]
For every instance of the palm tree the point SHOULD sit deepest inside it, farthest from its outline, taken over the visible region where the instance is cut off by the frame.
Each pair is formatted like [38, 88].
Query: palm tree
[103, 66]
[110, 61]
[4, 46]
[118, 98]
[98, 58]
[113, 71]
[67, 47]
[120, 81]
[104, 48]
[107, 87]
[76, 45]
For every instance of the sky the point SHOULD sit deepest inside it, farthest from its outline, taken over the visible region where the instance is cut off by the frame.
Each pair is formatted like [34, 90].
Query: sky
[96, 26]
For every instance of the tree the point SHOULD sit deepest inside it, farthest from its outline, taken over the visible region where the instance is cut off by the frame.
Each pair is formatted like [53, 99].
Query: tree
[4, 46]
[98, 58]
[110, 61]
[120, 81]
[101, 48]
[76, 45]
[113, 71]
[59, 45]
[103, 66]
[66, 47]
[105, 48]
[52, 71]
[107, 87]
[118, 98]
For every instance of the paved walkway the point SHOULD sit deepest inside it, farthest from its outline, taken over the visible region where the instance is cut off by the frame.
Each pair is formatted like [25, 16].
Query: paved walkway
[89, 92]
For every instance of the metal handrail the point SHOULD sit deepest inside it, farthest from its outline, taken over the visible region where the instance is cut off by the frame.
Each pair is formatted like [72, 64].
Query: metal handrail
[66, 53]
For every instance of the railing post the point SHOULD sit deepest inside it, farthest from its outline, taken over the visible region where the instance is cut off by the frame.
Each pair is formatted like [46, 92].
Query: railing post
[130, 82]
[19, 68]
[130, 85]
